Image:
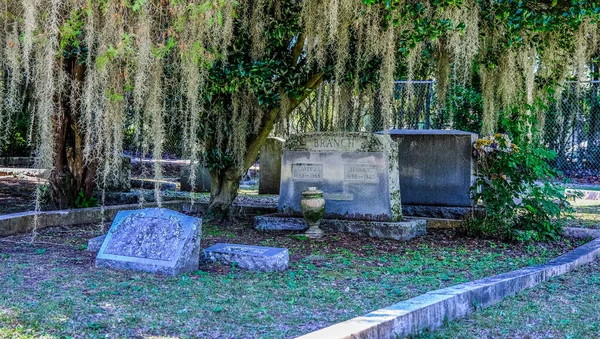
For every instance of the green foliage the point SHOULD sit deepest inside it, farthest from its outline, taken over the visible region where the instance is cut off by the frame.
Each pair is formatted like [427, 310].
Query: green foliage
[517, 186]
[464, 105]
[83, 202]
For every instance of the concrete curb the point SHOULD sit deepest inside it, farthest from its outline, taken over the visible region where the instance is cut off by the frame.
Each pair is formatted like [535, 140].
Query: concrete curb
[432, 309]
[16, 223]
[577, 232]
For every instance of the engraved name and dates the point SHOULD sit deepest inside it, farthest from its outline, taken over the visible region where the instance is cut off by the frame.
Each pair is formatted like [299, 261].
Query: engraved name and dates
[307, 171]
[353, 173]
[361, 173]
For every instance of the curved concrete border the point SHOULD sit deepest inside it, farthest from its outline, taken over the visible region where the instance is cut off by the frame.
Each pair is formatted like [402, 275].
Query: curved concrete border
[430, 310]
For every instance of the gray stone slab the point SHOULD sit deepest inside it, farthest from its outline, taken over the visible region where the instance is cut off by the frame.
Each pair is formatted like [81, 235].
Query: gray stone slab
[155, 240]
[432, 309]
[358, 173]
[95, 244]
[397, 230]
[253, 258]
[437, 167]
[270, 166]
[201, 183]
[442, 212]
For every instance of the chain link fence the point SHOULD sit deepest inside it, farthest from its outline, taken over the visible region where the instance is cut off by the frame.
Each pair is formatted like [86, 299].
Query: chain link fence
[572, 129]
[571, 126]
[332, 108]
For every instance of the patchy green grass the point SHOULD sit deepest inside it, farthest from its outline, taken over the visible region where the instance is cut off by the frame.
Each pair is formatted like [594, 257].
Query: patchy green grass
[564, 307]
[585, 216]
[54, 290]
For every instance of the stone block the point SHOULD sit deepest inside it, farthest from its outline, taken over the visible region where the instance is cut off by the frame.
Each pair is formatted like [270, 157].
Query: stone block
[358, 173]
[270, 166]
[95, 244]
[396, 230]
[253, 258]
[437, 167]
[155, 240]
[201, 183]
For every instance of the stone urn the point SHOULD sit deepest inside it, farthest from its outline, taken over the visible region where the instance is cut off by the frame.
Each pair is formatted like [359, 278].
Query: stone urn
[313, 209]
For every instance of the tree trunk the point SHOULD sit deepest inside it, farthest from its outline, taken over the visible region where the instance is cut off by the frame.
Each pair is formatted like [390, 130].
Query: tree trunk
[225, 182]
[224, 186]
[70, 174]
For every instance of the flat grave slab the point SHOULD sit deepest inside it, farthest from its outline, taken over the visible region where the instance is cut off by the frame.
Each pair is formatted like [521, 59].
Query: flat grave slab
[155, 240]
[396, 230]
[358, 173]
[253, 258]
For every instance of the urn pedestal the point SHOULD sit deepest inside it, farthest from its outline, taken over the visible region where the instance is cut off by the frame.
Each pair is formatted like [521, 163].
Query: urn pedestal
[313, 209]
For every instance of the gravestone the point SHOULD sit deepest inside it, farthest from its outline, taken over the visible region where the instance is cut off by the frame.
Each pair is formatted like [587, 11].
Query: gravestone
[270, 166]
[201, 183]
[437, 167]
[358, 173]
[155, 240]
[253, 258]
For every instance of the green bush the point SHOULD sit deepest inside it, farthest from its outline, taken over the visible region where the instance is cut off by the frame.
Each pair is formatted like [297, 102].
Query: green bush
[464, 107]
[517, 186]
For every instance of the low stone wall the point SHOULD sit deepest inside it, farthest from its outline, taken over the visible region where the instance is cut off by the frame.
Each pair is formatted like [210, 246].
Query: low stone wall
[17, 161]
[16, 223]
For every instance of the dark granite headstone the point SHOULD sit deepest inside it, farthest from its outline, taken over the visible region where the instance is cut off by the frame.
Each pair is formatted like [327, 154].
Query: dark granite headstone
[201, 183]
[358, 173]
[270, 166]
[253, 258]
[437, 167]
[155, 240]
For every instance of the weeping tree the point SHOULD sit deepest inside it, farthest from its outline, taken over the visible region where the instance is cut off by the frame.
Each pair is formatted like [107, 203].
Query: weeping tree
[226, 72]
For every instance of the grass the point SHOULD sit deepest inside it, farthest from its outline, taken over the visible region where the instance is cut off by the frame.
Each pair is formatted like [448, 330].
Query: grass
[585, 216]
[567, 306]
[55, 291]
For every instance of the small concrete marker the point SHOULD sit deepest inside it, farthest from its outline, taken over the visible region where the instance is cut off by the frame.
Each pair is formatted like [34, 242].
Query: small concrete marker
[253, 258]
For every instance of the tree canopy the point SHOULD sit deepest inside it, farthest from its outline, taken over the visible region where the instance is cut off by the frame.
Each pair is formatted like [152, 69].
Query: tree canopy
[226, 72]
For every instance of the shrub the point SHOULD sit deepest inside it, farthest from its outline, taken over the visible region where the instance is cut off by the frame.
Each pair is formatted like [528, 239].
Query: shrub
[517, 186]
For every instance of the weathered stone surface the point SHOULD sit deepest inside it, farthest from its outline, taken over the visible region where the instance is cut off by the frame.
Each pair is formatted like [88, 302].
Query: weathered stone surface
[17, 161]
[441, 212]
[95, 244]
[270, 166]
[397, 230]
[253, 258]
[437, 167]
[155, 240]
[358, 172]
[431, 310]
[202, 182]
